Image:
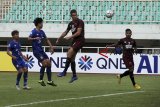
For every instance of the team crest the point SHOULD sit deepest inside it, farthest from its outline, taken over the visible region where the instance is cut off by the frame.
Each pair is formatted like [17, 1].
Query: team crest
[73, 28]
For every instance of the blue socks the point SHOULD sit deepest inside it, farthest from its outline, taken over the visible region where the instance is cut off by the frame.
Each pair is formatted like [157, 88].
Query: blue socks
[49, 73]
[25, 76]
[18, 77]
[42, 72]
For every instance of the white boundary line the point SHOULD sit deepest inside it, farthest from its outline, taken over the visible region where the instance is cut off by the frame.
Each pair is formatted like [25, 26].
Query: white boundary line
[74, 98]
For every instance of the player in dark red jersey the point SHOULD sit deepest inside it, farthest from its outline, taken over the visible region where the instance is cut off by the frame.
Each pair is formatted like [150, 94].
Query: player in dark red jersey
[77, 28]
[129, 46]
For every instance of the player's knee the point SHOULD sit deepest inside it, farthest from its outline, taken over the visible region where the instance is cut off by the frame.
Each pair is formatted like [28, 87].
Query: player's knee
[44, 63]
[25, 70]
[131, 69]
[69, 59]
[70, 53]
[73, 59]
[20, 70]
[131, 74]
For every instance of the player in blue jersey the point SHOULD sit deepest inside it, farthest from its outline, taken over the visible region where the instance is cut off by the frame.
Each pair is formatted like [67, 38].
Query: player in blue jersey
[37, 36]
[18, 59]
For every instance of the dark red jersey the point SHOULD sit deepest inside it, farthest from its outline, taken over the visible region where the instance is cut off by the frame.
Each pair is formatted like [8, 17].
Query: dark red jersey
[73, 26]
[128, 45]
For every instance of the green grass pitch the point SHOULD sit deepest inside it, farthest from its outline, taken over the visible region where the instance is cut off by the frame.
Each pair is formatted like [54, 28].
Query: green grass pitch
[76, 93]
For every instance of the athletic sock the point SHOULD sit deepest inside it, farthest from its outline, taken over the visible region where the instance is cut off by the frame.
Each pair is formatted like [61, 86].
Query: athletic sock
[124, 74]
[25, 77]
[73, 68]
[18, 78]
[42, 72]
[49, 73]
[68, 61]
[132, 77]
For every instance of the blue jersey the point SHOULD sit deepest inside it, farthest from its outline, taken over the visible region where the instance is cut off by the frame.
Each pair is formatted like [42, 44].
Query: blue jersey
[15, 48]
[37, 44]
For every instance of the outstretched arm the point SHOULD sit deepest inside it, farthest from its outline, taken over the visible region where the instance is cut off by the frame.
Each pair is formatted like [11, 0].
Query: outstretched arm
[79, 30]
[62, 36]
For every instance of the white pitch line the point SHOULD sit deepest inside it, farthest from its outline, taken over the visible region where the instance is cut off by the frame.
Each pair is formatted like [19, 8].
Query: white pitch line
[74, 98]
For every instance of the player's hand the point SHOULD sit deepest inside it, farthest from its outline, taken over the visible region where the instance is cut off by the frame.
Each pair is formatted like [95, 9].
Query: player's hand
[52, 50]
[37, 38]
[14, 58]
[68, 37]
[57, 41]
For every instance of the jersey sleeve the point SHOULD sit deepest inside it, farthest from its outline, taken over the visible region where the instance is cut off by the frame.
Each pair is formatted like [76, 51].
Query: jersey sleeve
[44, 35]
[9, 45]
[81, 24]
[69, 27]
[31, 34]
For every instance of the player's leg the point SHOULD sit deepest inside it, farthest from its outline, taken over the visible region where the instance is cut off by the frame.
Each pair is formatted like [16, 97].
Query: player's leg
[131, 70]
[49, 73]
[75, 48]
[73, 68]
[126, 62]
[42, 70]
[126, 73]
[73, 64]
[47, 63]
[68, 61]
[48, 66]
[25, 77]
[40, 58]
[19, 72]
[72, 54]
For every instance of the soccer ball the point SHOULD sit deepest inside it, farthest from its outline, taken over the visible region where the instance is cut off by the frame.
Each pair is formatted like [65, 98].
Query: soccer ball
[109, 14]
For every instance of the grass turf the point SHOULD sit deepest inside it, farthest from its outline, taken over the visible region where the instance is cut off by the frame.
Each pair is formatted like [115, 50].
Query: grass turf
[86, 85]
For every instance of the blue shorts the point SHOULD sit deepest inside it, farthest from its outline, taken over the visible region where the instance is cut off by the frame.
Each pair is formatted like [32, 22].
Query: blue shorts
[40, 56]
[19, 63]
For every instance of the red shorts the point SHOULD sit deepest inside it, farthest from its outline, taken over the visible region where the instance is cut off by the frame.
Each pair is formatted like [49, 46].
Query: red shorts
[128, 61]
[77, 45]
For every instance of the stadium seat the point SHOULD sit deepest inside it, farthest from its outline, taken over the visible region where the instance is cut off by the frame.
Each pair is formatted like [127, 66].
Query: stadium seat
[58, 11]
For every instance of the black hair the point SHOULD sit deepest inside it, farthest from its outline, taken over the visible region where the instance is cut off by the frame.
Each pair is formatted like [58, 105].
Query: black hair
[73, 11]
[127, 30]
[14, 32]
[37, 21]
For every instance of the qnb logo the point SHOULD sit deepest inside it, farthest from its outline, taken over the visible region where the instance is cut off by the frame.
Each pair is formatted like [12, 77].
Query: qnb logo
[85, 63]
[30, 61]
